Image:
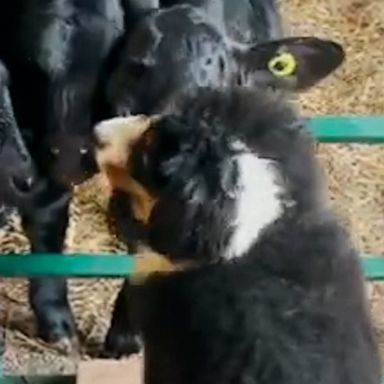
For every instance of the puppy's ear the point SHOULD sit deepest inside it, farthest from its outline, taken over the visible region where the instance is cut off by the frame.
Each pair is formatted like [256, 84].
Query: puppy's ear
[295, 63]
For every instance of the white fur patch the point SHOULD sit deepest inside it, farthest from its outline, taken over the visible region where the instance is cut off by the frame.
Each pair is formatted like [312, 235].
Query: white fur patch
[116, 137]
[106, 128]
[258, 203]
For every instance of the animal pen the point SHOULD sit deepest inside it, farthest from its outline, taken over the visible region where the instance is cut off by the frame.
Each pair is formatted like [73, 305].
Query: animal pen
[352, 153]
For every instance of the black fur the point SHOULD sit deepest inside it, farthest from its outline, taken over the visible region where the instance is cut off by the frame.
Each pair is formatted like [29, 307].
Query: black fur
[57, 53]
[213, 43]
[194, 31]
[292, 308]
[60, 49]
[17, 175]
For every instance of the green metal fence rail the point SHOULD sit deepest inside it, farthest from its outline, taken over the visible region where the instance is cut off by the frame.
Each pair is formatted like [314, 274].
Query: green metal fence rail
[82, 265]
[327, 129]
[348, 129]
[71, 265]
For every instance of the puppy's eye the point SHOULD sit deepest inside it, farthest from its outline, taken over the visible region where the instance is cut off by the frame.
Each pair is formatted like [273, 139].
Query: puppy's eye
[84, 151]
[54, 151]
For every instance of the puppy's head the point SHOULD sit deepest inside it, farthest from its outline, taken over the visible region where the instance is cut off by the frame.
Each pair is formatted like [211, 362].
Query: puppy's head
[119, 141]
[116, 138]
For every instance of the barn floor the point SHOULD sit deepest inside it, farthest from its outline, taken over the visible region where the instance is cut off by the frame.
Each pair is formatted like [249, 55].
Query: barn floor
[355, 176]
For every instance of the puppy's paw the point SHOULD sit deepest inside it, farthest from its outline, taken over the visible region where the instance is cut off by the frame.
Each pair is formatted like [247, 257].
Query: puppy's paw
[119, 343]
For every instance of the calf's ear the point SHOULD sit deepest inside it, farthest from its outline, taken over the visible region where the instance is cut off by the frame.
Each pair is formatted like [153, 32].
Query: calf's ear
[294, 63]
[140, 6]
[135, 10]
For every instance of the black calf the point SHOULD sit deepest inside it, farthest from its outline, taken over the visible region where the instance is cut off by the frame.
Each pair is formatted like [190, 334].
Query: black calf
[57, 53]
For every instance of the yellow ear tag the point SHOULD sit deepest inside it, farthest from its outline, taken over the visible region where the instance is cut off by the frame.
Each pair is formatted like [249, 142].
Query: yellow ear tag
[282, 65]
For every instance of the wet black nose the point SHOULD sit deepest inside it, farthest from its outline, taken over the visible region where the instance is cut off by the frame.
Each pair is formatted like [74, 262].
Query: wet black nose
[22, 184]
[23, 180]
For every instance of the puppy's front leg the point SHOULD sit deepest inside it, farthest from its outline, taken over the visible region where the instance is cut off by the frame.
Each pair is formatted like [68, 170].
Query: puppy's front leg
[123, 336]
[129, 230]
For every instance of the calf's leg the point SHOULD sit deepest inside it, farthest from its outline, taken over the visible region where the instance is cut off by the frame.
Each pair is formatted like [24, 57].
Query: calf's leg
[45, 223]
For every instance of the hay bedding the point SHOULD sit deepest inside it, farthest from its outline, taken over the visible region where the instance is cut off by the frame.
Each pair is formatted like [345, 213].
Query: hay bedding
[355, 176]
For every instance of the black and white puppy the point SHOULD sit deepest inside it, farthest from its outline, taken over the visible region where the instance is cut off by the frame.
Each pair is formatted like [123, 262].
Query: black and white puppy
[275, 292]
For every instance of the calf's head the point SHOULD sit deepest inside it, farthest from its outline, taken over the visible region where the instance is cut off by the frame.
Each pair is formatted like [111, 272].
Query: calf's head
[70, 157]
[174, 50]
[68, 142]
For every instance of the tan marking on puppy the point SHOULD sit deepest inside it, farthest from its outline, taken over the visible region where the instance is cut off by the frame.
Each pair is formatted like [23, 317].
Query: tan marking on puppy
[148, 262]
[116, 138]
[151, 261]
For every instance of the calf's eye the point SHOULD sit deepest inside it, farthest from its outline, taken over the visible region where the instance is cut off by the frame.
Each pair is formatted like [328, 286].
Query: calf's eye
[83, 151]
[54, 151]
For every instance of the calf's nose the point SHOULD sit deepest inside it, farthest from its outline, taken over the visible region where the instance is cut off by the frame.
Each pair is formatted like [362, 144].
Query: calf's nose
[23, 178]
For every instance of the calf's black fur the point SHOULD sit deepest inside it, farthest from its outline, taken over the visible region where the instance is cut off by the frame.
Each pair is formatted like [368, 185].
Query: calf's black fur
[59, 52]
[17, 175]
[198, 43]
[56, 54]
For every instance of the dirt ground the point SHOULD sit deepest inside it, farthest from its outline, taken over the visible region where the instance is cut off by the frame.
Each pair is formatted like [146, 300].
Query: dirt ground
[355, 177]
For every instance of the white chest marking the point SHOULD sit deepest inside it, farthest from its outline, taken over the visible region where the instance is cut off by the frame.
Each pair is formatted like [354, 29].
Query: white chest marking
[258, 202]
